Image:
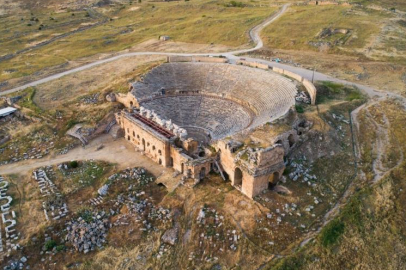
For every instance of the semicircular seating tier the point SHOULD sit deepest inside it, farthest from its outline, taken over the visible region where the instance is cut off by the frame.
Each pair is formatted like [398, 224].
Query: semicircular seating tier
[219, 98]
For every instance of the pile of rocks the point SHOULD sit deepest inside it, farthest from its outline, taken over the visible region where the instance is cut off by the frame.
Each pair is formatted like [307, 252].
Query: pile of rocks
[340, 118]
[53, 204]
[8, 219]
[302, 97]
[41, 145]
[136, 175]
[216, 235]
[300, 171]
[141, 210]
[162, 250]
[17, 264]
[91, 99]
[83, 174]
[88, 232]
[66, 149]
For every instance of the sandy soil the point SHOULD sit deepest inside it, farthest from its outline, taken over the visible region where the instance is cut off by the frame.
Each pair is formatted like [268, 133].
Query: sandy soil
[118, 152]
[53, 93]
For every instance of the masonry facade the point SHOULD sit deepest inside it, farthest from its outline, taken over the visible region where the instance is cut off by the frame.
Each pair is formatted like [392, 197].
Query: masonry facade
[249, 168]
[249, 171]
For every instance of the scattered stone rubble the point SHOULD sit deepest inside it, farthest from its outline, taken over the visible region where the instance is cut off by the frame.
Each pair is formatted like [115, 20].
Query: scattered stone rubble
[91, 99]
[66, 149]
[89, 232]
[17, 264]
[136, 175]
[53, 205]
[301, 172]
[170, 236]
[340, 118]
[141, 210]
[42, 144]
[216, 235]
[303, 97]
[111, 97]
[8, 219]
[84, 174]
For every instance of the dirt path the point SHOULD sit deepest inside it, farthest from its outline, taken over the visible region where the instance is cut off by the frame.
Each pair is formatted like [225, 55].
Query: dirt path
[254, 34]
[123, 154]
[119, 152]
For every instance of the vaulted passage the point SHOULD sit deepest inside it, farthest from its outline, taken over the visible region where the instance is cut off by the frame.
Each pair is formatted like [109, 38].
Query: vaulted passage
[238, 177]
[273, 179]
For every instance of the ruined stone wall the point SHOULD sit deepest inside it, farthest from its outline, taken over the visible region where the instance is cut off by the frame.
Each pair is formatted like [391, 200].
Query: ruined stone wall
[195, 169]
[170, 59]
[128, 100]
[252, 64]
[226, 160]
[287, 140]
[210, 59]
[196, 59]
[155, 148]
[179, 158]
[270, 167]
[311, 89]
[271, 156]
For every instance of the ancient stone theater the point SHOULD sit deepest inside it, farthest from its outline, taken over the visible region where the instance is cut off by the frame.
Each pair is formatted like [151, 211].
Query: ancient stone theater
[203, 114]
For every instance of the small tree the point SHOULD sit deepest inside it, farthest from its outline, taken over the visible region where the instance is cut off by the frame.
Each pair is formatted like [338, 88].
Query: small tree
[73, 164]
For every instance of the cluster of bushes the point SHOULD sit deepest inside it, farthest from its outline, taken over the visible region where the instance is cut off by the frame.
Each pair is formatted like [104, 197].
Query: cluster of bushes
[235, 4]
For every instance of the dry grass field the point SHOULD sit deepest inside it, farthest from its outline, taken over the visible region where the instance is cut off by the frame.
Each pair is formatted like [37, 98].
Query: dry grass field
[121, 27]
[370, 228]
[344, 30]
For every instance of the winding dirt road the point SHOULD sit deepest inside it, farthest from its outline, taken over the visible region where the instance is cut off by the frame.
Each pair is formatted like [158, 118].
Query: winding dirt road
[254, 34]
[120, 152]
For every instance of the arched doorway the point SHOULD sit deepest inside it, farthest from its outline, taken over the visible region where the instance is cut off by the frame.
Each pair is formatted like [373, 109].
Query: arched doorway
[131, 104]
[171, 162]
[160, 161]
[237, 177]
[202, 173]
[182, 168]
[291, 140]
[273, 179]
[143, 145]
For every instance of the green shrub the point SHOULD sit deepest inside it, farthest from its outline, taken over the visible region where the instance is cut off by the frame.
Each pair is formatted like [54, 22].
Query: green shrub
[299, 109]
[235, 4]
[73, 164]
[50, 244]
[289, 263]
[86, 215]
[60, 247]
[332, 232]
[70, 124]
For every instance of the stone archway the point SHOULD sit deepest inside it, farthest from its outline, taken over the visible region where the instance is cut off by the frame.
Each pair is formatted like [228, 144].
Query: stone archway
[143, 144]
[273, 179]
[202, 173]
[237, 177]
[291, 140]
[171, 162]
